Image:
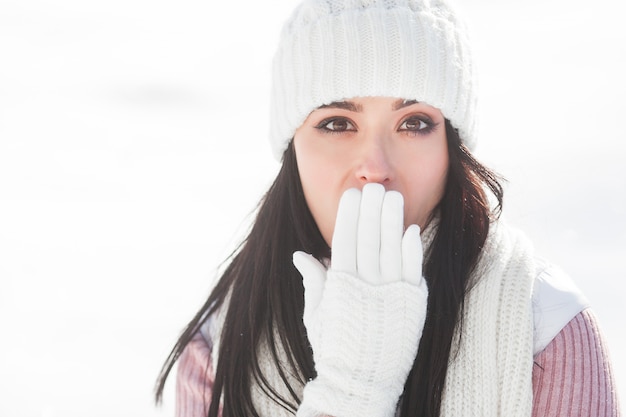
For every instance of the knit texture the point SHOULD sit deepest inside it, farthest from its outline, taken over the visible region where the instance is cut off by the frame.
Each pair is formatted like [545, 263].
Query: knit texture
[332, 50]
[573, 374]
[361, 359]
[491, 373]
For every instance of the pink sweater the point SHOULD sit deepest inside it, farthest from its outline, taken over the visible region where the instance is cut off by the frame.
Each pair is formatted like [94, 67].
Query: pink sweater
[572, 376]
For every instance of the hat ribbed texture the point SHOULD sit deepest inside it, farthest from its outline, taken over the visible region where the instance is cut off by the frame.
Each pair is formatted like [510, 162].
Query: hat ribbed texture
[332, 50]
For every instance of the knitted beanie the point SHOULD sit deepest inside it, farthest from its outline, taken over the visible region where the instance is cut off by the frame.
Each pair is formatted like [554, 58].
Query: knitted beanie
[332, 50]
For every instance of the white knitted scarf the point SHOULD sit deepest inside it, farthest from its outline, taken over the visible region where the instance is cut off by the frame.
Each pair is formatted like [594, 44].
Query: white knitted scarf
[491, 373]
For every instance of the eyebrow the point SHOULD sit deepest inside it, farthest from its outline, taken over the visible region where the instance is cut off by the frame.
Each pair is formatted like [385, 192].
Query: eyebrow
[400, 104]
[345, 105]
[350, 106]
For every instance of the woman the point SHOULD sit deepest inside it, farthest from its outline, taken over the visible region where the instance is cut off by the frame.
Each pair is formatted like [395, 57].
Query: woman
[377, 279]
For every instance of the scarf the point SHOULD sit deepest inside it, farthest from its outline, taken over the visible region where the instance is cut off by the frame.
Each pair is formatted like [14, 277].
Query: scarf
[490, 370]
[491, 374]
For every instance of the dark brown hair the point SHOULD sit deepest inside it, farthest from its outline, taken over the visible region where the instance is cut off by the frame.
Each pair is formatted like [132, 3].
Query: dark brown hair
[266, 296]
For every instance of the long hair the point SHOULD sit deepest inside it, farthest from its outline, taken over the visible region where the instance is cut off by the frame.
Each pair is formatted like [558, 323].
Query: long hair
[265, 296]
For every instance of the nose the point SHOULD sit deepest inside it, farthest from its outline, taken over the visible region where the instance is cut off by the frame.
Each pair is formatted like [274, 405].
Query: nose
[374, 164]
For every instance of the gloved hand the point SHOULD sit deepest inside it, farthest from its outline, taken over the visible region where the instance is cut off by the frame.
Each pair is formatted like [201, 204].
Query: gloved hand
[364, 315]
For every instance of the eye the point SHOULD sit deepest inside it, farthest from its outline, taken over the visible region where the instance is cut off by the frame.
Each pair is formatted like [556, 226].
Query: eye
[336, 124]
[417, 124]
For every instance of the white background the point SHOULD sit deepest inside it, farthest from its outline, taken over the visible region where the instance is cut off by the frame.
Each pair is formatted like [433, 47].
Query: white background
[133, 144]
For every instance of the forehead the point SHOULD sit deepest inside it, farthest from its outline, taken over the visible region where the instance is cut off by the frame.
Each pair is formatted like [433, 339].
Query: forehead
[356, 104]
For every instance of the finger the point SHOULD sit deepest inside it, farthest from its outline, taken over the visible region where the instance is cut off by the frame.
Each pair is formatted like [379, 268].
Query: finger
[368, 234]
[345, 234]
[412, 255]
[391, 227]
[313, 278]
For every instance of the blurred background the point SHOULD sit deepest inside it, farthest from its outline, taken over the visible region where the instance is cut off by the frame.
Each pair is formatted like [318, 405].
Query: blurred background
[133, 147]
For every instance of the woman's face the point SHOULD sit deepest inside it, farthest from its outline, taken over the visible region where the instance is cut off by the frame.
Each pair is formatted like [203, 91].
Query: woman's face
[397, 143]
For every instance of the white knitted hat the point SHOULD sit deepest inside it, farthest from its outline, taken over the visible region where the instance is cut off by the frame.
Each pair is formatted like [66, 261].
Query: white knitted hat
[331, 50]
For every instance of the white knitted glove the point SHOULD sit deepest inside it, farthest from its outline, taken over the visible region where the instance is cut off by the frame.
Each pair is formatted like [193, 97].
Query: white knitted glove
[364, 316]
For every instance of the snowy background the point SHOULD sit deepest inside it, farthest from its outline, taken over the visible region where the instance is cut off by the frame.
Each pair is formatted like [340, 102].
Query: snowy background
[133, 146]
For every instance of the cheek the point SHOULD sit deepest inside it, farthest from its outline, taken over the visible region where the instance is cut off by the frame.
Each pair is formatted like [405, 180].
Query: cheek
[322, 207]
[319, 182]
[424, 190]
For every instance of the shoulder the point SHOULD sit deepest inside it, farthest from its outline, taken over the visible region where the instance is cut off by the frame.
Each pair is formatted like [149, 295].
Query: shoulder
[574, 373]
[556, 300]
